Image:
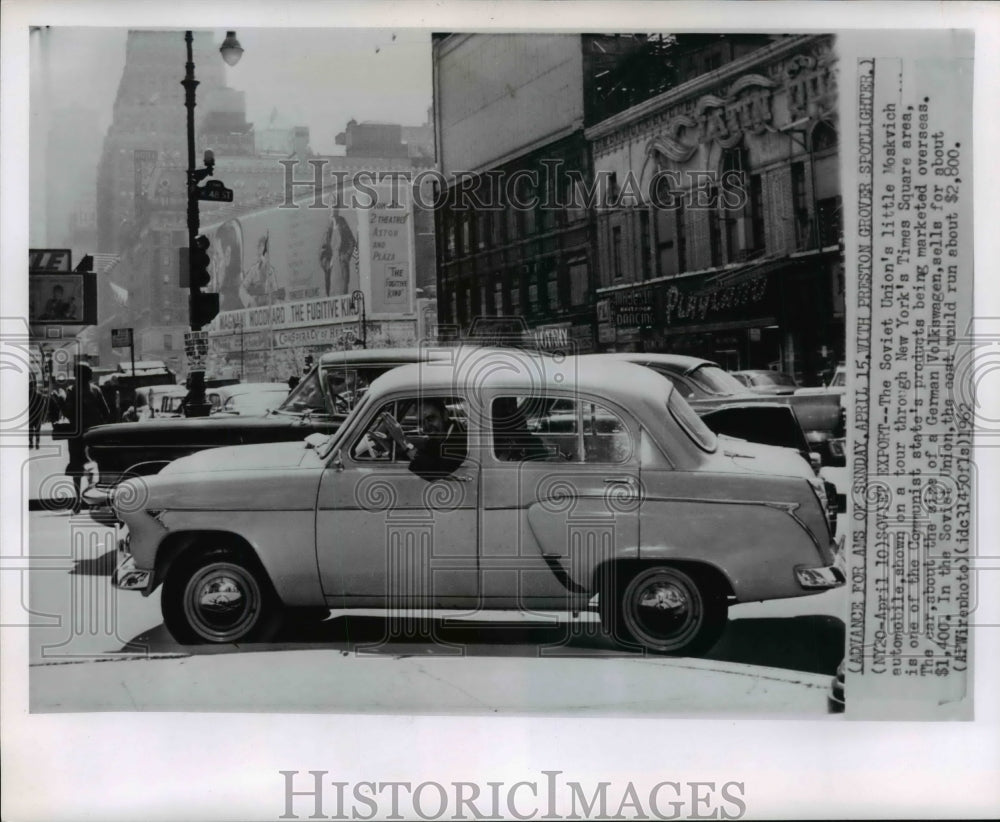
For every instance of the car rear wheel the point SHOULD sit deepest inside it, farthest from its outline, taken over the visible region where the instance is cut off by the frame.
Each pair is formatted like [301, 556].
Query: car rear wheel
[219, 597]
[666, 610]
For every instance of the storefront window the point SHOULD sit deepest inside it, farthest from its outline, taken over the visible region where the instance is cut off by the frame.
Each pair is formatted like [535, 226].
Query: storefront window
[616, 251]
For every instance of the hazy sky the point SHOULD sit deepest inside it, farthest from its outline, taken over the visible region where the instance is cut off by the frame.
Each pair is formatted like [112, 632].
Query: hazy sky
[320, 77]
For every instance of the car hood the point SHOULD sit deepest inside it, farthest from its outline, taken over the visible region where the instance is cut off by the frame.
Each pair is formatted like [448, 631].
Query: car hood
[183, 429]
[757, 458]
[266, 456]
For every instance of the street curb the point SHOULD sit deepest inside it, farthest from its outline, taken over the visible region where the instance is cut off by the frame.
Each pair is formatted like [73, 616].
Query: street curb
[58, 504]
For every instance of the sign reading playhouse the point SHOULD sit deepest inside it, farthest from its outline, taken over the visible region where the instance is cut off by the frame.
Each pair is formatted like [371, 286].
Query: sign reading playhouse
[689, 303]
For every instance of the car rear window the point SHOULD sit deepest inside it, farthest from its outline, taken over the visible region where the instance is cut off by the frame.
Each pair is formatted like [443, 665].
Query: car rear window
[714, 380]
[688, 420]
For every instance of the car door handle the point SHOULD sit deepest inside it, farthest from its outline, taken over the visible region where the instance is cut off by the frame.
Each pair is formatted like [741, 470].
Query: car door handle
[619, 480]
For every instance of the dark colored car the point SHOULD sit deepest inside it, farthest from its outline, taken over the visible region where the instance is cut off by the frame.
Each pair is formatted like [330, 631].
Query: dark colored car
[319, 403]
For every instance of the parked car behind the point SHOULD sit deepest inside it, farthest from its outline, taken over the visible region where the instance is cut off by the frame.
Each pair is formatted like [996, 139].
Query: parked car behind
[252, 399]
[707, 386]
[614, 489]
[764, 381]
[320, 402]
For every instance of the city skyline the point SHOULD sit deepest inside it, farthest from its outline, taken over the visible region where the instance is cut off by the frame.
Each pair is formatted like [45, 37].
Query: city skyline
[389, 75]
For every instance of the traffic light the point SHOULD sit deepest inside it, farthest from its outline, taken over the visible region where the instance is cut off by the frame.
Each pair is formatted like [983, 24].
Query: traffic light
[204, 308]
[200, 261]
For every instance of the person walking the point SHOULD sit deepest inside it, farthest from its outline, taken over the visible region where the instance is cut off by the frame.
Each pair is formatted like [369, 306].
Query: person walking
[84, 408]
[37, 401]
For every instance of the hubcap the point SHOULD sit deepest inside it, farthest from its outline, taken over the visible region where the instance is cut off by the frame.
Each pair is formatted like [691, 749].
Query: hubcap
[222, 602]
[665, 610]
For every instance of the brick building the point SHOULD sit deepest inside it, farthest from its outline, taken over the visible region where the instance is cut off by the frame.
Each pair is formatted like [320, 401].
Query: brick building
[719, 228]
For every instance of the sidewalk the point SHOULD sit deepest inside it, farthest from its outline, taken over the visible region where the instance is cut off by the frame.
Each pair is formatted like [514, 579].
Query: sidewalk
[44, 475]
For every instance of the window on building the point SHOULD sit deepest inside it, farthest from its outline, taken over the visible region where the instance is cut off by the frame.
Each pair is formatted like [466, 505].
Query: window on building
[612, 191]
[484, 230]
[734, 206]
[579, 289]
[616, 252]
[800, 207]
[168, 342]
[645, 242]
[681, 235]
[448, 221]
[758, 241]
[829, 214]
[552, 286]
[715, 219]
[514, 294]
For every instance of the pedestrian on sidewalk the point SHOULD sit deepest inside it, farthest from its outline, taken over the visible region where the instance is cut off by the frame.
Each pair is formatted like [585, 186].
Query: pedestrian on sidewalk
[84, 408]
[37, 401]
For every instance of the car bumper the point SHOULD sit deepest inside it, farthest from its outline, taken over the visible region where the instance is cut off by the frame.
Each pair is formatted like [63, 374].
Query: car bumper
[98, 495]
[126, 576]
[825, 576]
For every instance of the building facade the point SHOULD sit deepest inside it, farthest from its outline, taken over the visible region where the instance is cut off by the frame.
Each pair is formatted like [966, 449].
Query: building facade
[512, 238]
[719, 230]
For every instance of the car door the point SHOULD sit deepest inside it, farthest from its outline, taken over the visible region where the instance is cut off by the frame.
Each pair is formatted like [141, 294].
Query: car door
[564, 498]
[386, 536]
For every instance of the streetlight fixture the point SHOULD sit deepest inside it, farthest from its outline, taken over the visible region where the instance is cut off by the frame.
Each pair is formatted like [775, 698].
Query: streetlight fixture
[358, 296]
[231, 49]
[202, 306]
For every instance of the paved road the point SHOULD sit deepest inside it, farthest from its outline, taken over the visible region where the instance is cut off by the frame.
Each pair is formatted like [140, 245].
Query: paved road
[77, 617]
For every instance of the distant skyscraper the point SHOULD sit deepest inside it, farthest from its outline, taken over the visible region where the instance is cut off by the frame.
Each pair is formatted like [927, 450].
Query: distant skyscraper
[149, 124]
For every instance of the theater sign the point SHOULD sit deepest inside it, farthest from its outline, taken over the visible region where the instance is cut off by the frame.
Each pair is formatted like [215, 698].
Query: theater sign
[303, 280]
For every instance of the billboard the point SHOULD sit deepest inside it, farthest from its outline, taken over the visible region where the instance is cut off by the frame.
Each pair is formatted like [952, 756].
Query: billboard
[362, 240]
[283, 255]
[55, 299]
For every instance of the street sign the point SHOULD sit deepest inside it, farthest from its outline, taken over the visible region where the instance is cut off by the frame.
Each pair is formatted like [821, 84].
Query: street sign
[121, 337]
[196, 349]
[215, 191]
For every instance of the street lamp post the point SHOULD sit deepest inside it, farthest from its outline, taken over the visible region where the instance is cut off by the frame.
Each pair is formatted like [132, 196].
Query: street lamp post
[358, 296]
[242, 367]
[197, 405]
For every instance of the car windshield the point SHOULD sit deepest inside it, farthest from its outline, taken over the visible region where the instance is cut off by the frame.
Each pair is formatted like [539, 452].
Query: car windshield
[256, 403]
[306, 396]
[713, 380]
[772, 378]
[687, 419]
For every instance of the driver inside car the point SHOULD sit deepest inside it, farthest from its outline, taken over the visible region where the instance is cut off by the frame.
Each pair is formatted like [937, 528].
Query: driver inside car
[440, 450]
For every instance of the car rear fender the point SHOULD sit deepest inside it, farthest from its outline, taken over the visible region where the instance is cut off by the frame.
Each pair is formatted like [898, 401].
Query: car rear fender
[755, 544]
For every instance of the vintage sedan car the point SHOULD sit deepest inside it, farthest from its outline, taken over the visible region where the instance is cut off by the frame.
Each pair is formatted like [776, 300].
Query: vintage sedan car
[319, 403]
[525, 483]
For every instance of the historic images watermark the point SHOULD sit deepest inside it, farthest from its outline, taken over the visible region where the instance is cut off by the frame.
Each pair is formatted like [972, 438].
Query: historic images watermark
[314, 794]
[553, 188]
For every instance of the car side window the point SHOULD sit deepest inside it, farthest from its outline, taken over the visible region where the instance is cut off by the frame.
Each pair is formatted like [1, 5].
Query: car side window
[558, 430]
[375, 443]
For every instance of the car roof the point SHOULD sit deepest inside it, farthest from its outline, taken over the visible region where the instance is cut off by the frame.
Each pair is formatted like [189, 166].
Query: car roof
[520, 370]
[675, 362]
[375, 356]
[251, 387]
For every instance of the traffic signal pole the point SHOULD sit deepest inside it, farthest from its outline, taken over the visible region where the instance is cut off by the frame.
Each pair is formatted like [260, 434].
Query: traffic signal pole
[196, 405]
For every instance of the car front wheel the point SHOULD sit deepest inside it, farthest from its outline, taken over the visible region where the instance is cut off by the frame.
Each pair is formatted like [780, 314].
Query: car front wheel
[667, 610]
[219, 597]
